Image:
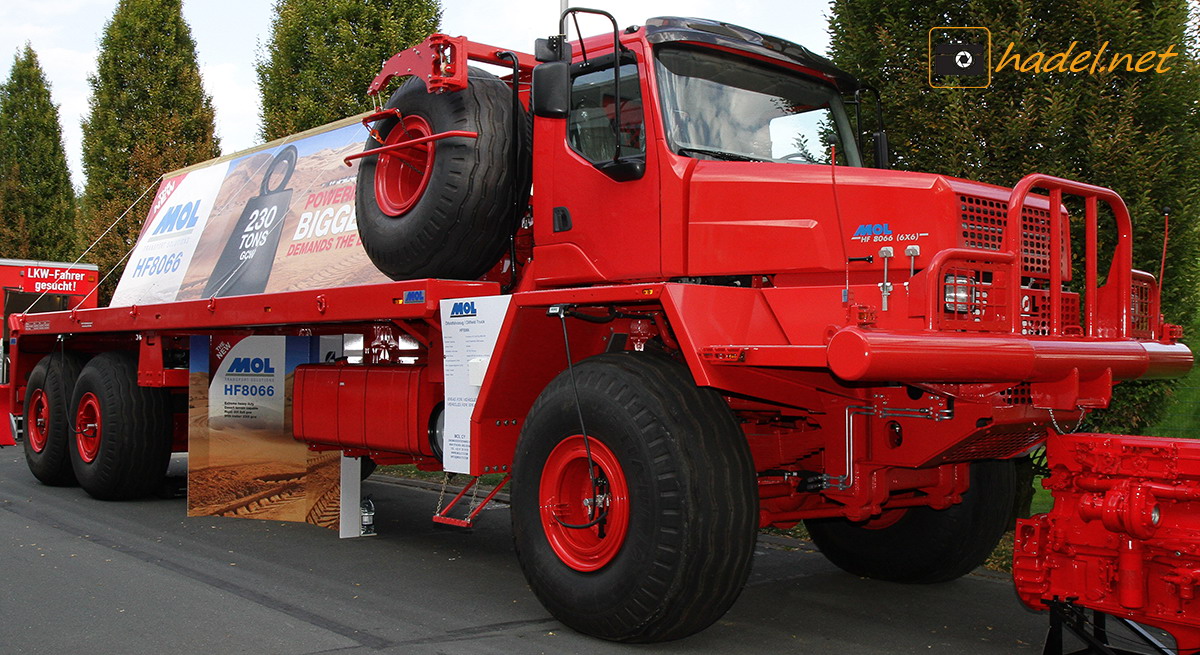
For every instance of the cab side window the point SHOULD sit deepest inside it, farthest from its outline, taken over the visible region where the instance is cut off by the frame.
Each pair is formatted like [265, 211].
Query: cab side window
[592, 127]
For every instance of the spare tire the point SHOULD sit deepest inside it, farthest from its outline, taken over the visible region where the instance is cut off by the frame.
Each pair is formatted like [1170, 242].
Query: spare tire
[444, 208]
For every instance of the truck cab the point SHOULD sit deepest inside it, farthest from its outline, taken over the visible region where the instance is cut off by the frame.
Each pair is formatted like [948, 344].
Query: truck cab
[698, 100]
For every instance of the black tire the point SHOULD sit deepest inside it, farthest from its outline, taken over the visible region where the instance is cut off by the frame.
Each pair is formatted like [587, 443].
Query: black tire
[48, 435]
[926, 545]
[458, 226]
[692, 503]
[368, 467]
[132, 424]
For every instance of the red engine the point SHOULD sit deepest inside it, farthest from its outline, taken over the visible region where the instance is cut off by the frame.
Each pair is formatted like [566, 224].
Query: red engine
[1124, 534]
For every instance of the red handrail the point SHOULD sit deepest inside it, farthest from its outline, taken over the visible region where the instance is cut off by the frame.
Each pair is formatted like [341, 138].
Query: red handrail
[1120, 270]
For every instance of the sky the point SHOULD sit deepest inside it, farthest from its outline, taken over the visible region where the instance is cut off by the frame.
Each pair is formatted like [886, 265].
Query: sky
[231, 34]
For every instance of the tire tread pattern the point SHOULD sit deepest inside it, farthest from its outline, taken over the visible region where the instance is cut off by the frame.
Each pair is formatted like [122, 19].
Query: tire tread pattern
[459, 227]
[56, 374]
[707, 505]
[136, 429]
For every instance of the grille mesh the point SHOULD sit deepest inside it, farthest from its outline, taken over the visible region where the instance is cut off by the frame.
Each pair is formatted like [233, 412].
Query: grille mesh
[983, 222]
[983, 227]
[995, 443]
[1035, 242]
[1018, 395]
[1140, 310]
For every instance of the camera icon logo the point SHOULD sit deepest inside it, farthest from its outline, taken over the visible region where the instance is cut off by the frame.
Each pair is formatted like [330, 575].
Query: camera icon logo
[960, 57]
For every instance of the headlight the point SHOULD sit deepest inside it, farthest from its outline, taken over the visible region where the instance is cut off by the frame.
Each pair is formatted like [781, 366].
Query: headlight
[961, 294]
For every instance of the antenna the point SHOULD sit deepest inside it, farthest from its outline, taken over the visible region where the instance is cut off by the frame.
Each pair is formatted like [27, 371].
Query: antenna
[1162, 265]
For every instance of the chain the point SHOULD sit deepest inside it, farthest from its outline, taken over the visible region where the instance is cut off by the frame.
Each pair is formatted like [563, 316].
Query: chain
[442, 493]
[1058, 428]
[475, 495]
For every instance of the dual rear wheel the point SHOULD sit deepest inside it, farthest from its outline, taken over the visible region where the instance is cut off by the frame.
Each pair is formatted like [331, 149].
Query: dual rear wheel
[91, 422]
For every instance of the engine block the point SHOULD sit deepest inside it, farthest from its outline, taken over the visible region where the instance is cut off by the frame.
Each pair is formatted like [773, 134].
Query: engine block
[1123, 536]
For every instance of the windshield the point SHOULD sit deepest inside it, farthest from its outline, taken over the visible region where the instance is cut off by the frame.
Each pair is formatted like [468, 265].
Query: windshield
[720, 106]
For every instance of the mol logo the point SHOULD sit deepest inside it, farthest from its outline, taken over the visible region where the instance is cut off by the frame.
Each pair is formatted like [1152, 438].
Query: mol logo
[251, 365]
[872, 232]
[179, 217]
[869, 229]
[461, 309]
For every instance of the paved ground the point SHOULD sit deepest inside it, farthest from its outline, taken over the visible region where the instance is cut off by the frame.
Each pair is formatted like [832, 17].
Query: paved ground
[81, 575]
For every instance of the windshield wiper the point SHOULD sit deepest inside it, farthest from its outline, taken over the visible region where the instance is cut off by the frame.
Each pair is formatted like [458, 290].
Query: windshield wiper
[721, 154]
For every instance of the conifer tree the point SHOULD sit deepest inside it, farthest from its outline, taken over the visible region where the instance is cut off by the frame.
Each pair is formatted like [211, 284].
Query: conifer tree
[323, 53]
[1136, 133]
[149, 115]
[37, 202]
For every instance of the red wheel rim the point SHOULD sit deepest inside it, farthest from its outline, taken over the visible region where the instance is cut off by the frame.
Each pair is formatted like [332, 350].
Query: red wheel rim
[402, 175]
[39, 417]
[87, 427]
[565, 494]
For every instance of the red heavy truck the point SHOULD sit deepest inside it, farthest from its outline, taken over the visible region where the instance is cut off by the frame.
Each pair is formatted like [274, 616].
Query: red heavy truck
[708, 316]
[28, 287]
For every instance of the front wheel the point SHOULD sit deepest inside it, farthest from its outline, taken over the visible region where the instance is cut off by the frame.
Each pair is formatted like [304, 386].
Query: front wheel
[922, 544]
[644, 530]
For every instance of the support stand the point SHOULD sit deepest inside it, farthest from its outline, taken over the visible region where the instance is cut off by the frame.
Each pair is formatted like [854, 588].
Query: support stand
[1094, 633]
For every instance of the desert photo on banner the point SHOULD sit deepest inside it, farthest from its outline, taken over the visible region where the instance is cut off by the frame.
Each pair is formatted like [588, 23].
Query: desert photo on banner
[242, 459]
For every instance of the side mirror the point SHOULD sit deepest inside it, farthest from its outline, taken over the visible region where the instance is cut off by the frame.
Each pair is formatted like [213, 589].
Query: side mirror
[552, 90]
[881, 150]
[555, 48]
[624, 169]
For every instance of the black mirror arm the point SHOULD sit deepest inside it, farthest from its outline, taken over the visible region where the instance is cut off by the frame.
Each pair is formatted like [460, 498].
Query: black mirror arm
[617, 51]
[881, 140]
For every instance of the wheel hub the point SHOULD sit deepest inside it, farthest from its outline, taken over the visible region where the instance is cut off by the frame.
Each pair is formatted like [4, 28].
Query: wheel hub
[585, 524]
[39, 412]
[401, 176]
[87, 427]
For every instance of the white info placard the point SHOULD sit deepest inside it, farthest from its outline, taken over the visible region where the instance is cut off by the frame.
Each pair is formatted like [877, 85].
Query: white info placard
[469, 330]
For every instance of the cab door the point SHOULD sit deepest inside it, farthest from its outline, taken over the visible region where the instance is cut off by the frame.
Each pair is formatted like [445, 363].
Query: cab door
[596, 210]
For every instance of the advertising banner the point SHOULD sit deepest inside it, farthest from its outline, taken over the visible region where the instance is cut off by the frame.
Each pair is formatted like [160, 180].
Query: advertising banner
[242, 459]
[279, 217]
[164, 249]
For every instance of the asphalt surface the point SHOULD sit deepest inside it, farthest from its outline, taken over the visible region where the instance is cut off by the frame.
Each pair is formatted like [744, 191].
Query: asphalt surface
[80, 575]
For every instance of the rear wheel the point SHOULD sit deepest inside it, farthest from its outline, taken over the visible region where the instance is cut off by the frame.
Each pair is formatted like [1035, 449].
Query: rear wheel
[122, 432]
[921, 544]
[658, 546]
[48, 435]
